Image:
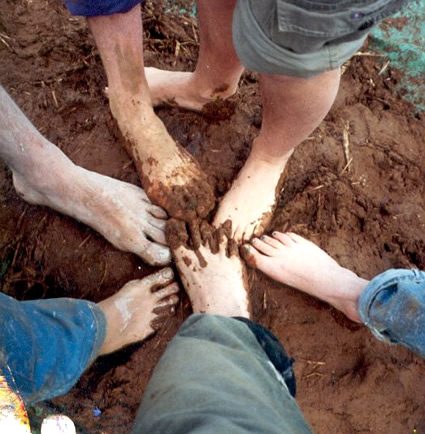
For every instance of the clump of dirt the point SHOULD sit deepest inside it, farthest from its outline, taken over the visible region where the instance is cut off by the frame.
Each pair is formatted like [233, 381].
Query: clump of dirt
[199, 232]
[368, 213]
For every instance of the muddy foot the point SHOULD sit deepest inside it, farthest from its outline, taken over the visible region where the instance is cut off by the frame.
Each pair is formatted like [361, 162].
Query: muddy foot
[121, 212]
[171, 177]
[297, 262]
[131, 312]
[213, 274]
[183, 89]
[250, 202]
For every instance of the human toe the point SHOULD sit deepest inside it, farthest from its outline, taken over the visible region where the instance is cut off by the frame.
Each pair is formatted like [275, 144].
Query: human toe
[167, 302]
[155, 234]
[284, 238]
[252, 256]
[171, 289]
[263, 247]
[155, 254]
[156, 280]
[157, 212]
[242, 234]
[271, 241]
[157, 223]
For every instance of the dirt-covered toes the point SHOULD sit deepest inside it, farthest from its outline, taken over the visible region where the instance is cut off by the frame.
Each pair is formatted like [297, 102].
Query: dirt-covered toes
[137, 310]
[251, 200]
[210, 268]
[179, 186]
[171, 176]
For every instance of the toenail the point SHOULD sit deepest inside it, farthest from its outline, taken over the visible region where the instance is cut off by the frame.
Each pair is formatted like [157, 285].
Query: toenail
[167, 273]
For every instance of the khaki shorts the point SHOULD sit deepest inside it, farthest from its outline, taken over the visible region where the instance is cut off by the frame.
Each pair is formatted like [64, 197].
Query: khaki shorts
[303, 38]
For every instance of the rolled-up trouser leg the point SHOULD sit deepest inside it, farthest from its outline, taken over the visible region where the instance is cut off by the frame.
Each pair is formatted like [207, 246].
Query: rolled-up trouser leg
[215, 377]
[393, 307]
[47, 344]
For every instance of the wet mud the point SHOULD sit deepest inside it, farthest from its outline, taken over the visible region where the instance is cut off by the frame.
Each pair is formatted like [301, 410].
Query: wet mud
[368, 213]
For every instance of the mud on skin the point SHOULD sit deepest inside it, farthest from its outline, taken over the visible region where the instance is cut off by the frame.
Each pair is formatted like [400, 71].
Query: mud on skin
[198, 232]
[342, 212]
[211, 270]
[193, 200]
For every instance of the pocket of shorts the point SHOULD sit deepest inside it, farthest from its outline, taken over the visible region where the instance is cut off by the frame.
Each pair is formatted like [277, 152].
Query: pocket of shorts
[332, 19]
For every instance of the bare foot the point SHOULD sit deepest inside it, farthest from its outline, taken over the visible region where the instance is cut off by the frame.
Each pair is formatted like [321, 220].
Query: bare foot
[250, 202]
[297, 262]
[183, 89]
[170, 175]
[131, 312]
[215, 282]
[121, 212]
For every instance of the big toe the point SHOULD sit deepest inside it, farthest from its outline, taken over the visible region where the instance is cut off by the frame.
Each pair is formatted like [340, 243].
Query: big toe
[254, 258]
[156, 254]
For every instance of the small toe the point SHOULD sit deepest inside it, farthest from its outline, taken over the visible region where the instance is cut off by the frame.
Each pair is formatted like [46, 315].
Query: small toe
[169, 301]
[271, 241]
[171, 289]
[157, 223]
[263, 247]
[239, 235]
[158, 212]
[284, 238]
[157, 235]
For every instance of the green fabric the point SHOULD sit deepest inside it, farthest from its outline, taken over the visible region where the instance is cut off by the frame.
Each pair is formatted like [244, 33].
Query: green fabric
[214, 378]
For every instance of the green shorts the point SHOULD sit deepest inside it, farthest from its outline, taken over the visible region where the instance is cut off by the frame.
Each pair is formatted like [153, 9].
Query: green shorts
[303, 38]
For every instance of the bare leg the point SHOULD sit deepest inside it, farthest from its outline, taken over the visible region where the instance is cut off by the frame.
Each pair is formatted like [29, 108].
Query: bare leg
[292, 109]
[218, 69]
[170, 175]
[215, 282]
[297, 262]
[131, 312]
[44, 175]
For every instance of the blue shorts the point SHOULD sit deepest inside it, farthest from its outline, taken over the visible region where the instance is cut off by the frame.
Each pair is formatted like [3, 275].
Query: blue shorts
[93, 8]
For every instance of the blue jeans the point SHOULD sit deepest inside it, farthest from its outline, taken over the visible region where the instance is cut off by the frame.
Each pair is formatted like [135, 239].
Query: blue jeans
[393, 307]
[47, 344]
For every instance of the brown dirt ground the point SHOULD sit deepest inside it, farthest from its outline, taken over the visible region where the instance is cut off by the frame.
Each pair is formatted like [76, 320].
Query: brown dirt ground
[370, 217]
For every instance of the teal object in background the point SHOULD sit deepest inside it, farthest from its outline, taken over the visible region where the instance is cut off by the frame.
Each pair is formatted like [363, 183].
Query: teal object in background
[189, 9]
[402, 40]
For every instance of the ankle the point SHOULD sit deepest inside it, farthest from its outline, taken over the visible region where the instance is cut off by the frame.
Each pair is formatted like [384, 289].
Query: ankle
[127, 105]
[46, 174]
[262, 152]
[353, 286]
[209, 89]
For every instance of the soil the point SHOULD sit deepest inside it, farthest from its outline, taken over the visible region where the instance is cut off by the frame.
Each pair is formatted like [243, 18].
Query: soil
[368, 212]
